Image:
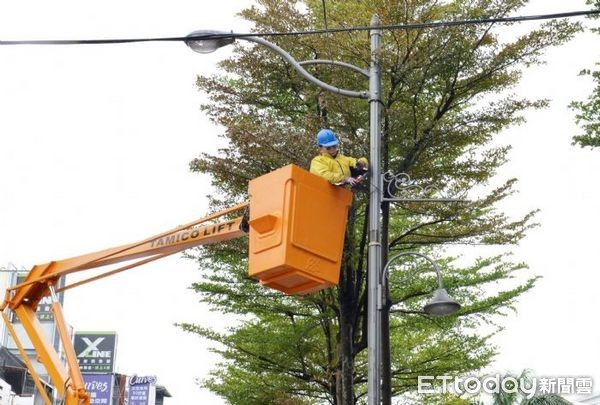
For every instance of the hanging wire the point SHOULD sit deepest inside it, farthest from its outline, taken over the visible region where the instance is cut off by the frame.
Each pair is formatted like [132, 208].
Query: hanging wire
[432, 24]
[327, 37]
[322, 99]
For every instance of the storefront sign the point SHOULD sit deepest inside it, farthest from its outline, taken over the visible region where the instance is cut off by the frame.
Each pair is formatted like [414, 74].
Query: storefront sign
[99, 386]
[95, 351]
[142, 390]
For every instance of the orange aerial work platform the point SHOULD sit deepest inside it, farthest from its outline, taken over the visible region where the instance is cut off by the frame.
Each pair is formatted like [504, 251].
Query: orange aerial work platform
[297, 228]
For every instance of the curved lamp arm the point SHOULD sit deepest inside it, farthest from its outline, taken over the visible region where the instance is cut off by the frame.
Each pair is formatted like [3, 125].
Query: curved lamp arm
[439, 305]
[208, 41]
[436, 268]
[363, 72]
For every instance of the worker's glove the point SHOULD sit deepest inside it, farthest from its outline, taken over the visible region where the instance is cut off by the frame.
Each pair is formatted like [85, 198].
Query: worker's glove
[358, 171]
[350, 180]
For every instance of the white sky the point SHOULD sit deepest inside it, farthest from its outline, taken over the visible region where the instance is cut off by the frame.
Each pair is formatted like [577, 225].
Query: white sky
[94, 149]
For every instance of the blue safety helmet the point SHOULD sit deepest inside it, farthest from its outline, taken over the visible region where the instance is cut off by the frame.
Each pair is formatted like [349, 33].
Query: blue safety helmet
[326, 137]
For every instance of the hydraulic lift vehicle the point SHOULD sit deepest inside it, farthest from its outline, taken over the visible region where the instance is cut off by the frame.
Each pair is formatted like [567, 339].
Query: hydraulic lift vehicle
[296, 227]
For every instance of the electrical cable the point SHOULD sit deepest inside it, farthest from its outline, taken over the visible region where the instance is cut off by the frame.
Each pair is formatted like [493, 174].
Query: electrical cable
[432, 24]
[322, 100]
[326, 30]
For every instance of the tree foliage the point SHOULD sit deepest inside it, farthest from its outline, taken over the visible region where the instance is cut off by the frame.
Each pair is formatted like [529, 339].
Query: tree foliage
[445, 99]
[588, 111]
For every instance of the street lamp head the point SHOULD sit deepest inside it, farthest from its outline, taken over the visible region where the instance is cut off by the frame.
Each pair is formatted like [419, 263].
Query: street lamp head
[206, 41]
[441, 304]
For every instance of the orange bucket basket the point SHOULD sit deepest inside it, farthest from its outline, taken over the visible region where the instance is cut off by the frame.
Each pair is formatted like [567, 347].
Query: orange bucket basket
[297, 226]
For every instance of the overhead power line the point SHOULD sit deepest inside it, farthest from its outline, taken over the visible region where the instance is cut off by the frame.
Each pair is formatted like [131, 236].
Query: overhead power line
[394, 27]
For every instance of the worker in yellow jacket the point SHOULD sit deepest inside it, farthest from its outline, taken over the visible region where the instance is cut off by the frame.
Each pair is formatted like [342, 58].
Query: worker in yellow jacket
[332, 165]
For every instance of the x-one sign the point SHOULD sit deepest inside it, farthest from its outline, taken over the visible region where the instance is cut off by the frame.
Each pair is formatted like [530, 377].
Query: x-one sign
[95, 351]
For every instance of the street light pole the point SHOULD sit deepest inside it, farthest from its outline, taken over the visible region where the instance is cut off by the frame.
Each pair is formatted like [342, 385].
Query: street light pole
[374, 263]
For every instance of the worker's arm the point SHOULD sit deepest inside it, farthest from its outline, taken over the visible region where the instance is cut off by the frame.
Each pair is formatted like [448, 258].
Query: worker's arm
[360, 163]
[321, 167]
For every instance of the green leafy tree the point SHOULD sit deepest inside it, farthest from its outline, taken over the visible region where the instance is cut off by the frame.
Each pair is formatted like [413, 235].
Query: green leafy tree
[588, 111]
[444, 98]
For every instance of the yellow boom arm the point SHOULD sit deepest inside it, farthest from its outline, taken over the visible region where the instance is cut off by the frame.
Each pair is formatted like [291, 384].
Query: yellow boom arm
[23, 298]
